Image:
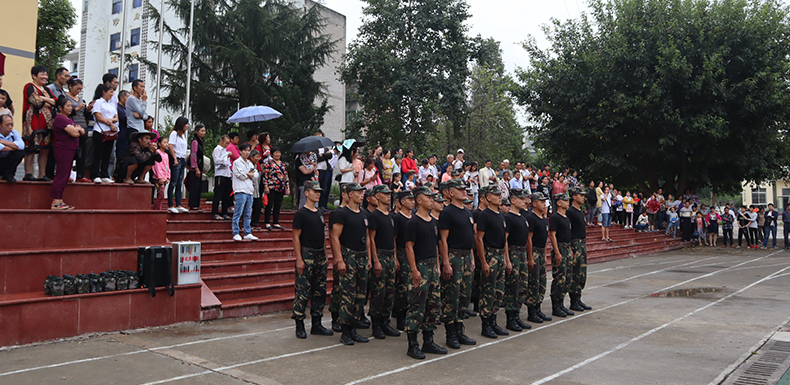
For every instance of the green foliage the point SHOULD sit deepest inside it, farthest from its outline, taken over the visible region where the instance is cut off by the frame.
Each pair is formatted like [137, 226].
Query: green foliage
[249, 53]
[678, 94]
[53, 43]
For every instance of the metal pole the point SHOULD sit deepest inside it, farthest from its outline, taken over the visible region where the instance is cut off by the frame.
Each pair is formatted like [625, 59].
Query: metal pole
[159, 64]
[123, 46]
[189, 57]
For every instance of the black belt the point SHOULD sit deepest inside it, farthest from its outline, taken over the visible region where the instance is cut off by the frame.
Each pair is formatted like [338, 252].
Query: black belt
[459, 250]
[428, 261]
[384, 252]
[517, 248]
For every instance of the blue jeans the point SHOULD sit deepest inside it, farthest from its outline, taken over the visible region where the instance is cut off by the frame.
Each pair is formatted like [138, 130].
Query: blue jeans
[674, 228]
[606, 219]
[662, 216]
[243, 205]
[769, 230]
[176, 181]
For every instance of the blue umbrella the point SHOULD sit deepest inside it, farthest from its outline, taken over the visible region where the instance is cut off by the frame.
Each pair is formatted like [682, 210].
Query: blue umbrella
[254, 114]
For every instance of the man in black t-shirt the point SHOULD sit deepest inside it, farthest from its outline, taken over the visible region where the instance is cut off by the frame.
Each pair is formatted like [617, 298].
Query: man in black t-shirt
[475, 299]
[457, 232]
[560, 233]
[403, 275]
[308, 237]
[577, 275]
[425, 299]
[491, 245]
[517, 238]
[349, 235]
[381, 236]
[334, 301]
[536, 251]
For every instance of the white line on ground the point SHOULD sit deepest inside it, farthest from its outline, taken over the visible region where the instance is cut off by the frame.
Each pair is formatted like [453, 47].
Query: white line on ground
[649, 273]
[554, 323]
[634, 265]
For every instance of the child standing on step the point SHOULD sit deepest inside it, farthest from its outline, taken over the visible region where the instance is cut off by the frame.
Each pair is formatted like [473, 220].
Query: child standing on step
[161, 171]
[700, 221]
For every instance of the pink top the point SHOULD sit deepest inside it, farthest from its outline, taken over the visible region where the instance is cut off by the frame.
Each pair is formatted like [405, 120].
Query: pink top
[162, 169]
[234, 154]
[558, 187]
[716, 217]
[445, 177]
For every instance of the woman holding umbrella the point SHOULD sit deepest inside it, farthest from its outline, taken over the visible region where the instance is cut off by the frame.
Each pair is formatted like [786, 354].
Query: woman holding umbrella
[307, 162]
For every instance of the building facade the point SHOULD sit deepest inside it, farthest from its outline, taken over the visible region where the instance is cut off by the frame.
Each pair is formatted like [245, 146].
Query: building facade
[18, 47]
[776, 192]
[111, 26]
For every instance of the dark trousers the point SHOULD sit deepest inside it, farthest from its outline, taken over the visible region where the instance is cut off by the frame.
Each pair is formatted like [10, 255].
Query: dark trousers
[80, 156]
[10, 161]
[727, 236]
[686, 228]
[743, 232]
[325, 178]
[176, 181]
[275, 202]
[662, 216]
[753, 234]
[63, 160]
[222, 190]
[194, 190]
[786, 231]
[257, 205]
[49, 171]
[102, 151]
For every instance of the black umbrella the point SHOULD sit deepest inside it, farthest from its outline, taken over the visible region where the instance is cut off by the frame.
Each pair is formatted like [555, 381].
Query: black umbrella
[312, 143]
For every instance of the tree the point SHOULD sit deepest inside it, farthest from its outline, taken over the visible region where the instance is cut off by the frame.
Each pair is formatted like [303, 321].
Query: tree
[410, 62]
[53, 43]
[245, 53]
[673, 94]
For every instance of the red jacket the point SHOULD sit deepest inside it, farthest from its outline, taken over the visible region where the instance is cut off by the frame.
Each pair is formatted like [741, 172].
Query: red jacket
[407, 165]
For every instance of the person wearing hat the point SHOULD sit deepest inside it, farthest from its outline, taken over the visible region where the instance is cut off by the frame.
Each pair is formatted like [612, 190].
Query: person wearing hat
[536, 258]
[372, 202]
[560, 233]
[334, 300]
[349, 235]
[578, 275]
[456, 241]
[517, 236]
[403, 275]
[424, 291]
[311, 265]
[459, 160]
[438, 205]
[138, 159]
[381, 233]
[468, 204]
[505, 207]
[492, 255]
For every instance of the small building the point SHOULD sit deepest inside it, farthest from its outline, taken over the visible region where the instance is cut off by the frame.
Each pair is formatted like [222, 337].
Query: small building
[776, 192]
[18, 49]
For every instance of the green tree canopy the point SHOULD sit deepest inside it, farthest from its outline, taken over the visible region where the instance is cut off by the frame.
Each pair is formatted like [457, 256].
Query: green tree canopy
[676, 94]
[53, 43]
[249, 53]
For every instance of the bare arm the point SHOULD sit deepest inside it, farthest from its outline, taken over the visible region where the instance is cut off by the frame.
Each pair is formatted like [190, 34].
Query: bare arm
[481, 252]
[298, 251]
[416, 277]
[374, 256]
[447, 269]
[555, 247]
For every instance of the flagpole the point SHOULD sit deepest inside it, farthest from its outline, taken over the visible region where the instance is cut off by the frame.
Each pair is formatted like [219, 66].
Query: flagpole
[159, 64]
[189, 57]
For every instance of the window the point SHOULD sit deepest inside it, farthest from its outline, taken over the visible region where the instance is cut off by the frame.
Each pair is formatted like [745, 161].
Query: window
[137, 3]
[114, 71]
[134, 72]
[135, 39]
[115, 42]
[117, 6]
[758, 196]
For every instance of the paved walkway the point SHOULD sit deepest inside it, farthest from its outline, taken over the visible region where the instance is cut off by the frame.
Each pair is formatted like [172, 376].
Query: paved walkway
[683, 317]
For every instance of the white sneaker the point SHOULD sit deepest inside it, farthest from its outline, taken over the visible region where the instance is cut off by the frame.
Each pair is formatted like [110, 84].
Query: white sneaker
[97, 180]
[107, 180]
[237, 238]
[182, 210]
[250, 237]
[173, 210]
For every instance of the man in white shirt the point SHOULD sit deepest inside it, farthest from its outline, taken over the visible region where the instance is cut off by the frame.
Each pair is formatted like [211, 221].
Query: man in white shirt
[222, 178]
[459, 160]
[487, 175]
[11, 148]
[432, 167]
[244, 173]
[424, 171]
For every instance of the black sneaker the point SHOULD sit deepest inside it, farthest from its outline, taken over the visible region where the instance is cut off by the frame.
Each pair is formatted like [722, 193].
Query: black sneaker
[28, 178]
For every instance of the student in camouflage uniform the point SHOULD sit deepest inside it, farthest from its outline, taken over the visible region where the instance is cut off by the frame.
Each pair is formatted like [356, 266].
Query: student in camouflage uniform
[334, 300]
[381, 237]
[494, 262]
[456, 240]
[349, 234]
[403, 275]
[517, 237]
[475, 299]
[536, 255]
[424, 292]
[310, 262]
[578, 276]
[560, 233]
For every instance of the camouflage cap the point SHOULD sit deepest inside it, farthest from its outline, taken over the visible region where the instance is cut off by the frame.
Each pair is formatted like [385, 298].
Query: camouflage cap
[455, 172]
[493, 190]
[506, 202]
[538, 196]
[576, 191]
[313, 185]
[354, 187]
[457, 184]
[468, 201]
[423, 190]
[380, 188]
[439, 198]
[405, 195]
[369, 193]
[442, 186]
[560, 197]
[518, 193]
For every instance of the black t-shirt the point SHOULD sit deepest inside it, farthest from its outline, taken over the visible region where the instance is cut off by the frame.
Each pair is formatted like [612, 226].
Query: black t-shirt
[312, 225]
[518, 229]
[539, 229]
[385, 230]
[476, 214]
[400, 230]
[355, 228]
[300, 176]
[333, 217]
[562, 226]
[578, 224]
[493, 225]
[462, 229]
[424, 235]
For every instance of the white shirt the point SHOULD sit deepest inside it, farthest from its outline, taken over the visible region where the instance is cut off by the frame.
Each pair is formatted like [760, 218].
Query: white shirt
[423, 173]
[322, 164]
[179, 145]
[242, 184]
[221, 162]
[343, 164]
[606, 206]
[107, 110]
[458, 164]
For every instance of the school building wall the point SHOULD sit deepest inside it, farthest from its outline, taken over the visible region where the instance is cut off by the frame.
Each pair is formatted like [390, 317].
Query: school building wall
[18, 44]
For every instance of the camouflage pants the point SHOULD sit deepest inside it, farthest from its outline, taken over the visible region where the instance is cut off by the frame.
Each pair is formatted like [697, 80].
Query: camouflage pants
[536, 287]
[492, 288]
[465, 296]
[425, 300]
[382, 288]
[352, 286]
[451, 288]
[475, 297]
[559, 271]
[311, 284]
[402, 280]
[334, 298]
[515, 282]
[579, 275]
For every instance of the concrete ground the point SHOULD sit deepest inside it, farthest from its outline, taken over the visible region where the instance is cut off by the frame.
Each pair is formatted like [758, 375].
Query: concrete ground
[683, 317]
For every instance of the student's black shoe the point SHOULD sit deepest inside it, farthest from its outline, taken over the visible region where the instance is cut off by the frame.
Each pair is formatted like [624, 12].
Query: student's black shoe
[387, 329]
[555, 308]
[377, 332]
[356, 337]
[414, 347]
[463, 339]
[511, 323]
[345, 338]
[498, 330]
[428, 346]
[532, 315]
[541, 315]
[486, 330]
[319, 329]
[575, 303]
[300, 332]
[451, 337]
[524, 325]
